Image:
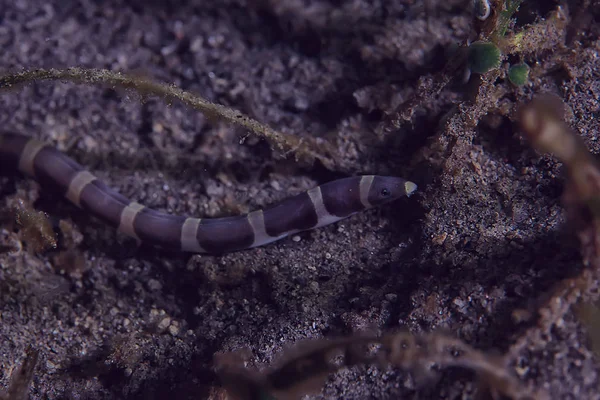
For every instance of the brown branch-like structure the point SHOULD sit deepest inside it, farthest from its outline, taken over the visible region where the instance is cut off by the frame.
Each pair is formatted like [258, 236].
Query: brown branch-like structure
[542, 121]
[302, 148]
[304, 368]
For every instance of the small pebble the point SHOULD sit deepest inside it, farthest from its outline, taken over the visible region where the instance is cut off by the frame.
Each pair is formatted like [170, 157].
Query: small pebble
[314, 286]
[162, 325]
[154, 285]
[174, 328]
[275, 185]
[50, 365]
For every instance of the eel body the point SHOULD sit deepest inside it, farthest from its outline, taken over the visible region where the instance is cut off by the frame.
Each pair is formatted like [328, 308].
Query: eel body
[317, 207]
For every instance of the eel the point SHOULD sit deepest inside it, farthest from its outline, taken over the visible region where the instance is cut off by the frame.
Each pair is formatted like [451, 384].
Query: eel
[320, 206]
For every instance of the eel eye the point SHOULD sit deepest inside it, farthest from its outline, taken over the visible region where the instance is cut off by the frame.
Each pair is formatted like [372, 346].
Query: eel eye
[385, 192]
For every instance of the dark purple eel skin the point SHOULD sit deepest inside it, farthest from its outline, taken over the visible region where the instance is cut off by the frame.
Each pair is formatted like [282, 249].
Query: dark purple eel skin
[317, 207]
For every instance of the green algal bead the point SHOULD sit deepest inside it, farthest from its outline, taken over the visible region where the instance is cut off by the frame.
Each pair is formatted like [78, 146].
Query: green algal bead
[483, 57]
[518, 74]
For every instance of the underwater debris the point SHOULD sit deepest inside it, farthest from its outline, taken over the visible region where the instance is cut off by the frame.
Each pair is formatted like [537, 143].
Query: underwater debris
[36, 228]
[18, 387]
[506, 9]
[492, 29]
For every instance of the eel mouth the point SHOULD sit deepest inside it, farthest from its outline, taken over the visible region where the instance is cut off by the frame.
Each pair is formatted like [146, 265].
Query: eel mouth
[410, 188]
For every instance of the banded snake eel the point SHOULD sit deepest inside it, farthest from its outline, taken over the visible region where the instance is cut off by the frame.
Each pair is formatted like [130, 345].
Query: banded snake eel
[322, 205]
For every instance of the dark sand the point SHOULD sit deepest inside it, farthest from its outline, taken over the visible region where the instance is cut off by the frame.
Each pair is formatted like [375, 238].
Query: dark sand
[485, 235]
